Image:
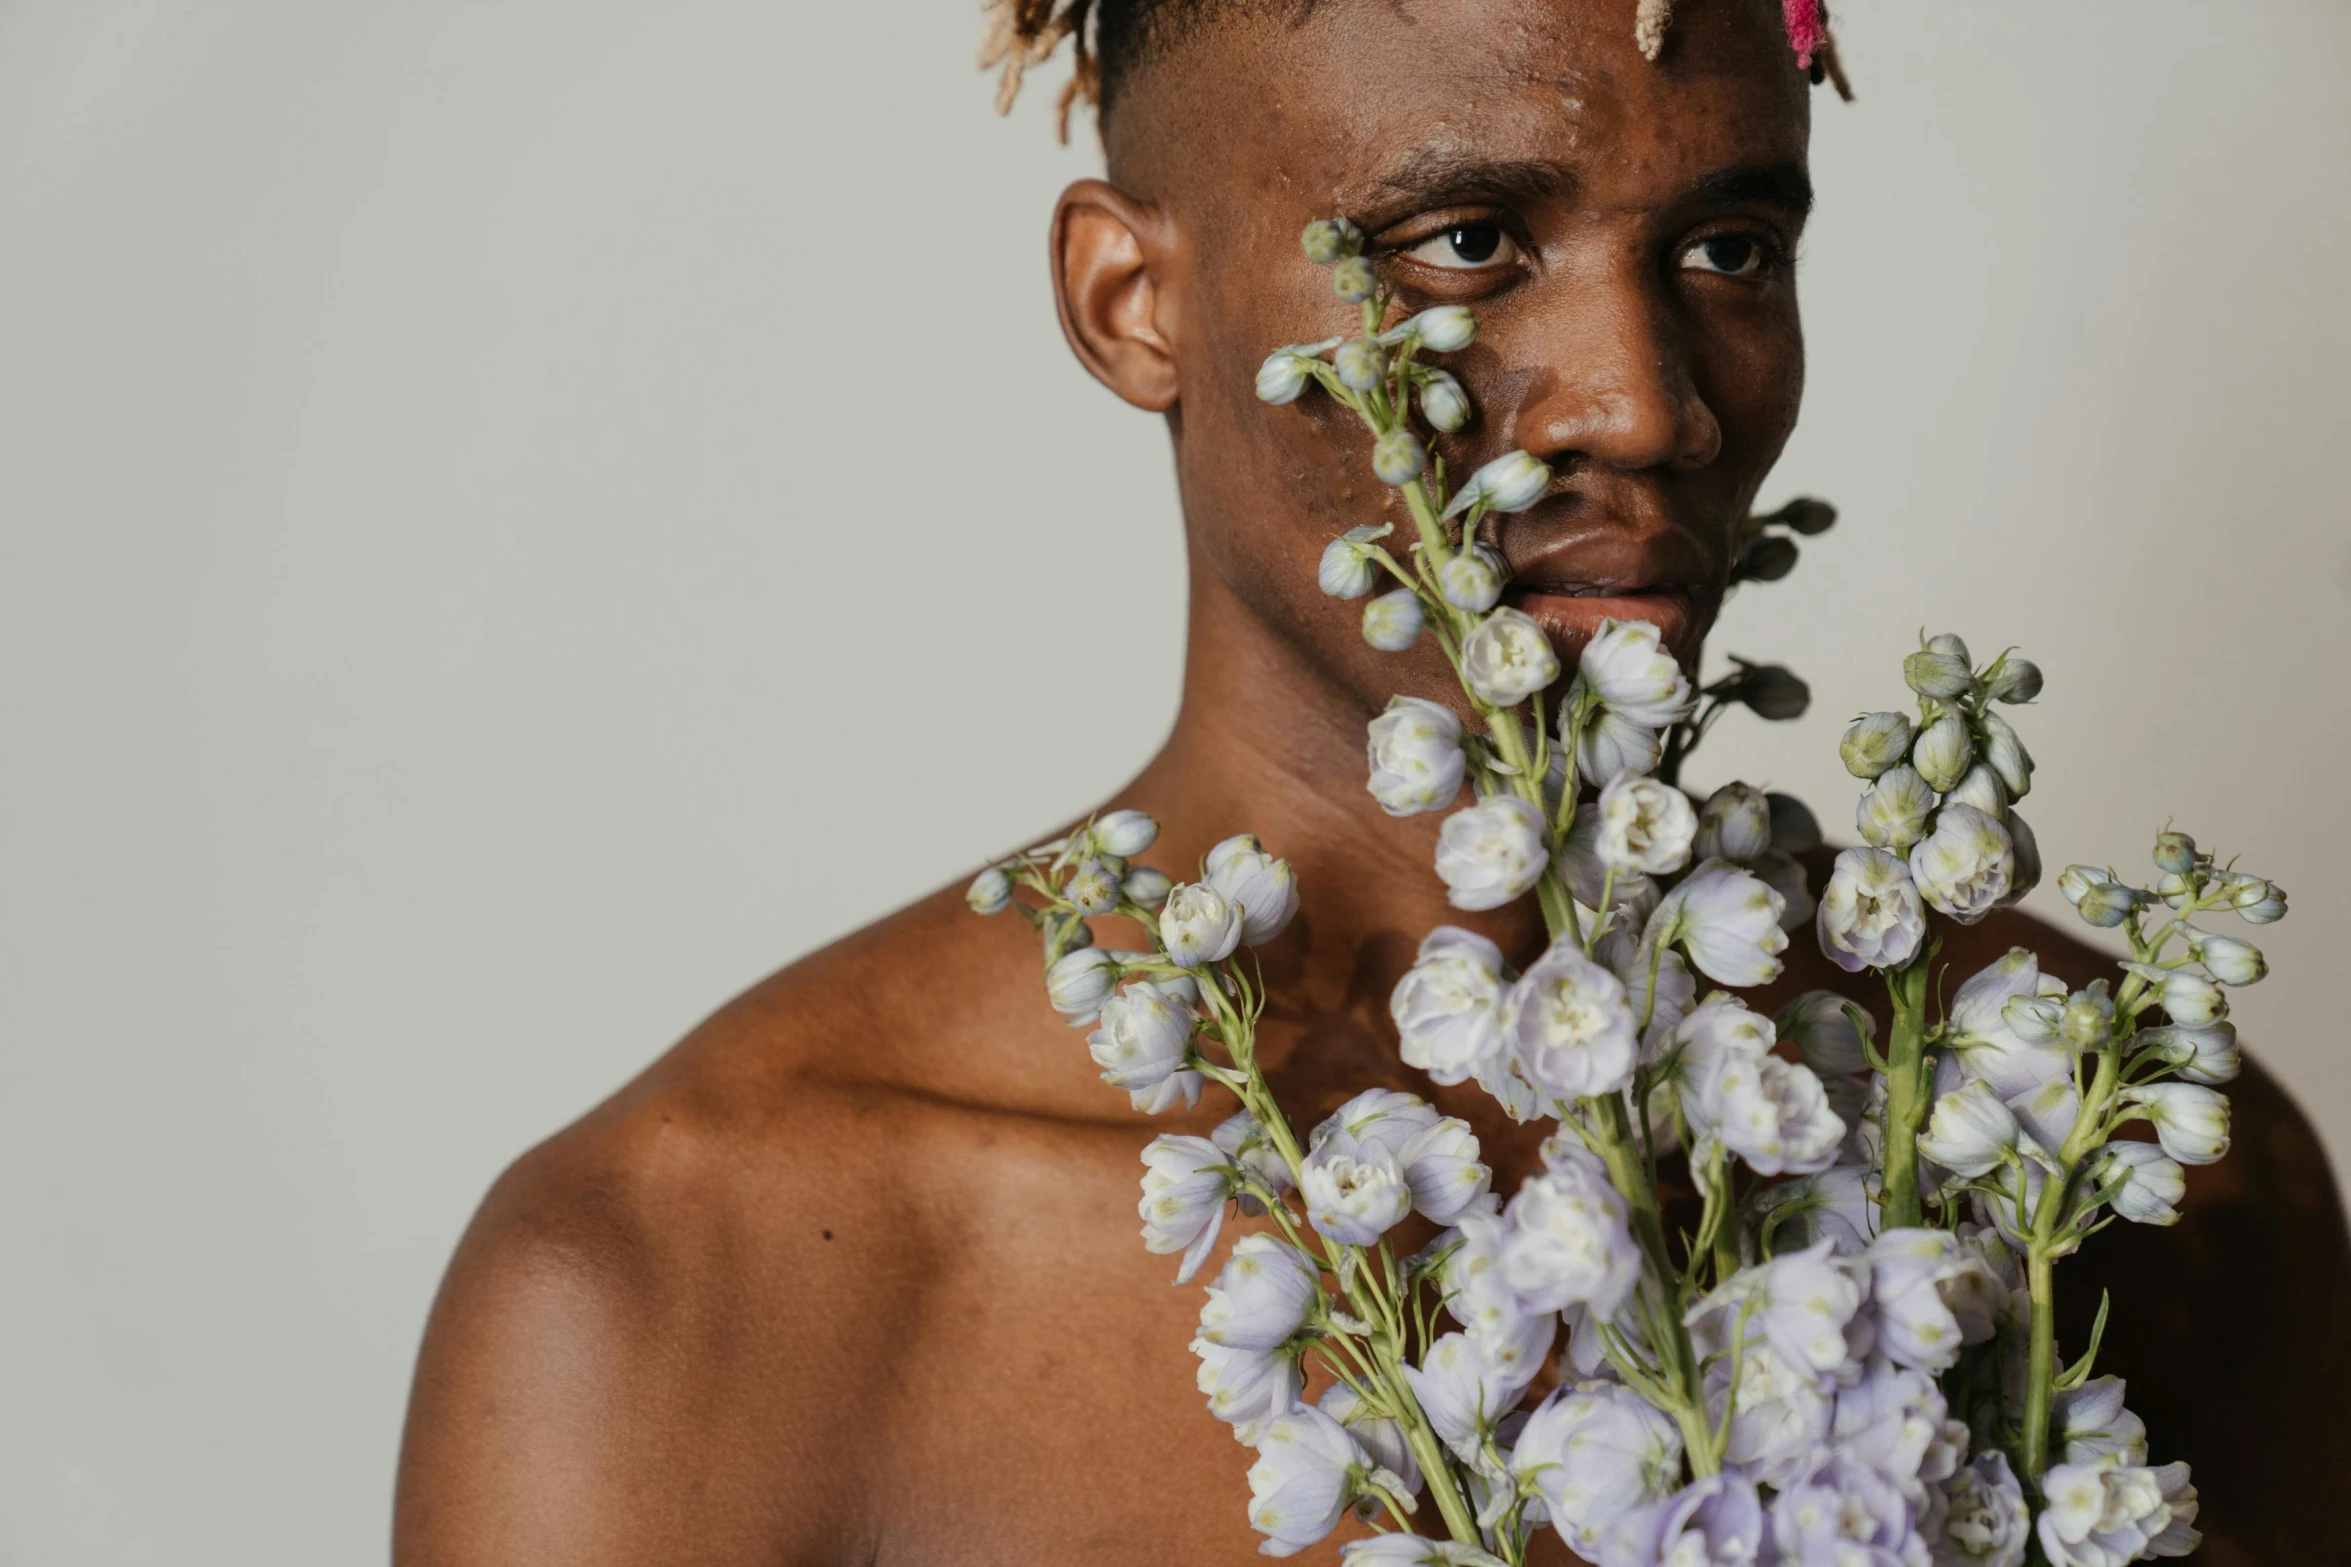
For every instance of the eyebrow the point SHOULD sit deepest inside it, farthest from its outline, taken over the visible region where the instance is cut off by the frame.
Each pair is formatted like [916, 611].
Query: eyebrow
[1434, 175]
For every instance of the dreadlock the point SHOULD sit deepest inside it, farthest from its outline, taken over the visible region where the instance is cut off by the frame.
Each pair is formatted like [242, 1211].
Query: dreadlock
[1107, 37]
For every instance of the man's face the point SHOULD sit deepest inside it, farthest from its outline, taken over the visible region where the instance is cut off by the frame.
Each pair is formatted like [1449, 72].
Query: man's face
[1624, 232]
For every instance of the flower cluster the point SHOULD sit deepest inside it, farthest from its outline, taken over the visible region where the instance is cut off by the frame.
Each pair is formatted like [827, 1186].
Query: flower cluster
[1848, 1355]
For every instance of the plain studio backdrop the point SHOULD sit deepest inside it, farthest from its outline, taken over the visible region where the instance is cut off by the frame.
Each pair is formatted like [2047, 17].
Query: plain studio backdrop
[520, 517]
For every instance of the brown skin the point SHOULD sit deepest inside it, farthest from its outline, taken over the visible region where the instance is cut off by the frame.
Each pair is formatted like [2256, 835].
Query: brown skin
[851, 1274]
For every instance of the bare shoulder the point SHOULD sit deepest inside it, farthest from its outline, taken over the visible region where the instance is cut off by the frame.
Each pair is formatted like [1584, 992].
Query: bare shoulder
[651, 1340]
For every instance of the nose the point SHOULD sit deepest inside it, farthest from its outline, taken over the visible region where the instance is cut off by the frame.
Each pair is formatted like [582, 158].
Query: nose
[1613, 384]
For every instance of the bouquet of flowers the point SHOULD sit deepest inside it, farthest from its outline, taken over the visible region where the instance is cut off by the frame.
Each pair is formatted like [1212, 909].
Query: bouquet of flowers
[1851, 1357]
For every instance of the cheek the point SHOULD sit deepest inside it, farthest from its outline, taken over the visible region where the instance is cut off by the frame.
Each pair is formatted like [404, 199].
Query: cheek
[1751, 373]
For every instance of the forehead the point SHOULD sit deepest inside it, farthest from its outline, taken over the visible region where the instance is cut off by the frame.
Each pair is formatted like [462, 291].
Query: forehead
[1340, 102]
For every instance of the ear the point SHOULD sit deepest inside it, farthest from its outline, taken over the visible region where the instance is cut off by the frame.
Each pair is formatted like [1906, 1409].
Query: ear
[1109, 253]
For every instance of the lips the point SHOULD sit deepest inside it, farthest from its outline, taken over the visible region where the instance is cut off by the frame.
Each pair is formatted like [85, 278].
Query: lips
[1571, 614]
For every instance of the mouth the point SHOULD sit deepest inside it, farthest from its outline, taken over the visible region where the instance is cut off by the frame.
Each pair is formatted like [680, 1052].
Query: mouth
[1571, 612]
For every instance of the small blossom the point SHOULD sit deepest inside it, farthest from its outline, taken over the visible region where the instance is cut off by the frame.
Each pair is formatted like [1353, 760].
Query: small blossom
[1870, 913]
[1507, 659]
[1971, 1131]
[1874, 743]
[1392, 621]
[1473, 579]
[1092, 888]
[1247, 1388]
[1802, 1303]
[1178, 1089]
[1986, 1524]
[1079, 982]
[1308, 1470]
[1612, 745]
[1415, 757]
[1646, 827]
[1780, 1415]
[1442, 1169]
[1410, 1550]
[1564, 1239]
[1463, 1395]
[1595, 1453]
[2229, 960]
[1943, 752]
[2090, 1422]
[2101, 1514]
[2013, 680]
[1443, 402]
[1893, 813]
[1186, 1182]
[1354, 281]
[1283, 376]
[1568, 1025]
[1933, 1296]
[2191, 1122]
[1626, 667]
[1348, 569]
[1820, 1025]
[1448, 1005]
[1964, 866]
[990, 892]
[1491, 853]
[1326, 240]
[1246, 1144]
[1727, 920]
[1197, 925]
[2207, 1055]
[1997, 742]
[1511, 482]
[1146, 1034]
[1125, 833]
[1841, 1510]
[1263, 1297]
[1941, 675]
[1398, 458]
[1714, 1522]
[2192, 999]
[1147, 889]
[1981, 787]
[1360, 364]
[1382, 1439]
[1355, 1190]
[1734, 825]
[1262, 888]
[1773, 1114]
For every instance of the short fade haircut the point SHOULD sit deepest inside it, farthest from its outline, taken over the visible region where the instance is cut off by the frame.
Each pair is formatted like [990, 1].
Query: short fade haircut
[1110, 38]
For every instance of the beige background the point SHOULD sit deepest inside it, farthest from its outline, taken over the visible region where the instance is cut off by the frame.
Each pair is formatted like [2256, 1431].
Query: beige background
[517, 516]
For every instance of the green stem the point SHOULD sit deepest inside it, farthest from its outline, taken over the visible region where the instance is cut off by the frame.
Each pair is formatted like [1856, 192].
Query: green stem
[2040, 1360]
[1906, 1094]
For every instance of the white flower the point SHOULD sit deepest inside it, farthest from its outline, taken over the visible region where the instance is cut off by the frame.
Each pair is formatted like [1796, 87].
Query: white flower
[1247, 1388]
[1283, 376]
[1840, 1511]
[1410, 1550]
[1727, 921]
[1326, 240]
[1347, 570]
[1834, 1205]
[1893, 813]
[1491, 853]
[1594, 1454]
[1263, 888]
[1186, 1181]
[1448, 1005]
[1986, 1525]
[2102, 1513]
[1263, 1297]
[1441, 1166]
[1802, 1303]
[1870, 914]
[1092, 888]
[2006, 754]
[2191, 1122]
[1355, 1190]
[1734, 824]
[1125, 833]
[1477, 1292]
[2089, 1422]
[1933, 1296]
[1386, 1116]
[1381, 1439]
[1772, 1113]
[1646, 827]
[1198, 925]
[1944, 752]
[2151, 1182]
[1360, 364]
[1308, 1470]
[1391, 622]
[1147, 889]
[1179, 1088]
[1714, 1522]
[1987, 1046]
[1565, 1240]
[1463, 1396]
[1965, 865]
[1473, 579]
[1398, 458]
[1511, 482]
[1821, 1027]
[1626, 667]
[1780, 1416]
[2206, 1055]
[1079, 982]
[1972, 1131]
[1612, 745]
[1246, 1144]
[1444, 402]
[1507, 658]
[990, 892]
[1146, 1034]
[1895, 1420]
[2229, 960]
[1442, 329]
[1568, 1026]
[1874, 743]
[1415, 757]
[1940, 671]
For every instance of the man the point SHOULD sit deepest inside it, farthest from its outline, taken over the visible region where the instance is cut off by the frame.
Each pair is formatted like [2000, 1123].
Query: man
[851, 1275]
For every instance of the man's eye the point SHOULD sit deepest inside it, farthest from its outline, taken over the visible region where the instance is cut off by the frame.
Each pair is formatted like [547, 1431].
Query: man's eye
[1731, 255]
[1466, 245]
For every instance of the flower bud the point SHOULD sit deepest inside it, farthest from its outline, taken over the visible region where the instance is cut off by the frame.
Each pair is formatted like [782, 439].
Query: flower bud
[1415, 756]
[1125, 833]
[1262, 888]
[2088, 1019]
[1473, 579]
[990, 892]
[2229, 960]
[1943, 676]
[1507, 659]
[2259, 902]
[2206, 1054]
[1360, 364]
[2034, 1019]
[2027, 849]
[1949, 643]
[1806, 515]
[1773, 691]
[1354, 281]
[1397, 458]
[2147, 1182]
[1511, 482]
[1282, 377]
[1197, 925]
[1391, 622]
[1893, 814]
[1971, 1131]
[2006, 754]
[1093, 888]
[1328, 239]
[1794, 829]
[1875, 742]
[2014, 681]
[2078, 879]
[1735, 824]
[1768, 559]
[2175, 852]
[1444, 329]
[2107, 904]
[1982, 789]
[1147, 889]
[1943, 753]
[1347, 570]
[1443, 402]
[1079, 982]
[2191, 1122]
[2192, 999]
